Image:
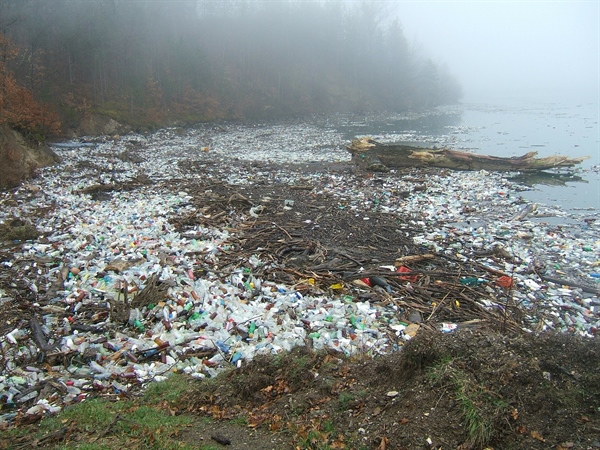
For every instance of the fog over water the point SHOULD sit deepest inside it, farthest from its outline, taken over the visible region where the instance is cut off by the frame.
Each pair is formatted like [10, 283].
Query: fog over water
[511, 50]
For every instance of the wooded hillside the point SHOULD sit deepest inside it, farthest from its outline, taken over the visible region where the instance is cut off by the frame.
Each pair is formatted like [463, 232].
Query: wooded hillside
[149, 63]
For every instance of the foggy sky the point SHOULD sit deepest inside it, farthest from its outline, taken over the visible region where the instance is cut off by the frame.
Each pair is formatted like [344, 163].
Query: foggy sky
[543, 50]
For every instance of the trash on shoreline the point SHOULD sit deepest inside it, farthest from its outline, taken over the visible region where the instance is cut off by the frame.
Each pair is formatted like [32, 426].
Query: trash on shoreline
[180, 260]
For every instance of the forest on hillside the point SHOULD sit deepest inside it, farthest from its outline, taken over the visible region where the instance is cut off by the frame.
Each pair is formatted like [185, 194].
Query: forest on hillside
[150, 63]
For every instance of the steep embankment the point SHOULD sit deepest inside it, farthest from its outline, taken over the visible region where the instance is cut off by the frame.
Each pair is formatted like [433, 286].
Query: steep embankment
[19, 158]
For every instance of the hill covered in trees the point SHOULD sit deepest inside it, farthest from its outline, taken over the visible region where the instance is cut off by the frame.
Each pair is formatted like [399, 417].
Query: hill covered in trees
[150, 63]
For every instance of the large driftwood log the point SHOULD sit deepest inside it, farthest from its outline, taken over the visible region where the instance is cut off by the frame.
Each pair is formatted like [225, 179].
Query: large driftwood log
[373, 155]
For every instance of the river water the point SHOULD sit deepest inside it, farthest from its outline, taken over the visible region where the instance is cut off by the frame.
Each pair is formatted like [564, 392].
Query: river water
[508, 130]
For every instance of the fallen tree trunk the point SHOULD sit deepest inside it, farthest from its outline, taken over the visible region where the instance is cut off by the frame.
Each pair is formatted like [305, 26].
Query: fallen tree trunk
[373, 155]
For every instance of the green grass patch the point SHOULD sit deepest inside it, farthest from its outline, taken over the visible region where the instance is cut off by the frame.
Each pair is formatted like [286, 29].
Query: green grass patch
[102, 424]
[172, 390]
[481, 408]
[479, 428]
[240, 420]
[344, 400]
[328, 427]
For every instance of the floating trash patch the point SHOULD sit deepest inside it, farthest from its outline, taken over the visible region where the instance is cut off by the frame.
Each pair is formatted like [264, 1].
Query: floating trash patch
[196, 250]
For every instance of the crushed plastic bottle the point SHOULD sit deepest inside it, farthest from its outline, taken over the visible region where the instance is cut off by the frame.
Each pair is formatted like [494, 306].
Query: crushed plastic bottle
[447, 327]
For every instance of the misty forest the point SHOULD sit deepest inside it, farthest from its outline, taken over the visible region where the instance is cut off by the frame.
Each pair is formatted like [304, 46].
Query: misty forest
[153, 63]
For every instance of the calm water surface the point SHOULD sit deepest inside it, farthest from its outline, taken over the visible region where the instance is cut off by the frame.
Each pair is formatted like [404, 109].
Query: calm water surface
[550, 130]
[510, 130]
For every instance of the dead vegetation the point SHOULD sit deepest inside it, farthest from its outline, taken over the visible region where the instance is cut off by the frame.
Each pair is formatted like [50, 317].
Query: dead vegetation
[471, 389]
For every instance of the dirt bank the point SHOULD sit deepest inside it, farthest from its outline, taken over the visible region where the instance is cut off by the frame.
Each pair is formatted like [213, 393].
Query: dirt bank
[20, 159]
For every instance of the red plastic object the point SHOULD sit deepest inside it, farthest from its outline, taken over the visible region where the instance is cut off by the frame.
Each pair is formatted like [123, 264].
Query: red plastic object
[505, 281]
[404, 269]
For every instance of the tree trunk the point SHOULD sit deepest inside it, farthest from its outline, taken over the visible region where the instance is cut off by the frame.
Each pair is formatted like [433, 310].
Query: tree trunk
[373, 155]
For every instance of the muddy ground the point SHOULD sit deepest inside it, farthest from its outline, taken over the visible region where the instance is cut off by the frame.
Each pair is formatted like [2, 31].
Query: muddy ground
[464, 390]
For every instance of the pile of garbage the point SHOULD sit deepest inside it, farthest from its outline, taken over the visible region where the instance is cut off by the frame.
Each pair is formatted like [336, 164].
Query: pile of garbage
[196, 250]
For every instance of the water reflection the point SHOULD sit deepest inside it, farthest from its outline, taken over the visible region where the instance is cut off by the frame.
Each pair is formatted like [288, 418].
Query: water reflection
[547, 179]
[505, 131]
[432, 123]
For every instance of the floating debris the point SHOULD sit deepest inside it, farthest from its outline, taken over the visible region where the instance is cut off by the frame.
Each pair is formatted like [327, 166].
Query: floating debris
[193, 261]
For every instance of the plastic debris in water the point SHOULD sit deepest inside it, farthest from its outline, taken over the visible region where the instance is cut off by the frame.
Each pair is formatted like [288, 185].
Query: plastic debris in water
[505, 281]
[472, 281]
[404, 269]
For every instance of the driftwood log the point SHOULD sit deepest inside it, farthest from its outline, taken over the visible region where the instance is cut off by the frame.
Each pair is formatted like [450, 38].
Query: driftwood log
[372, 155]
